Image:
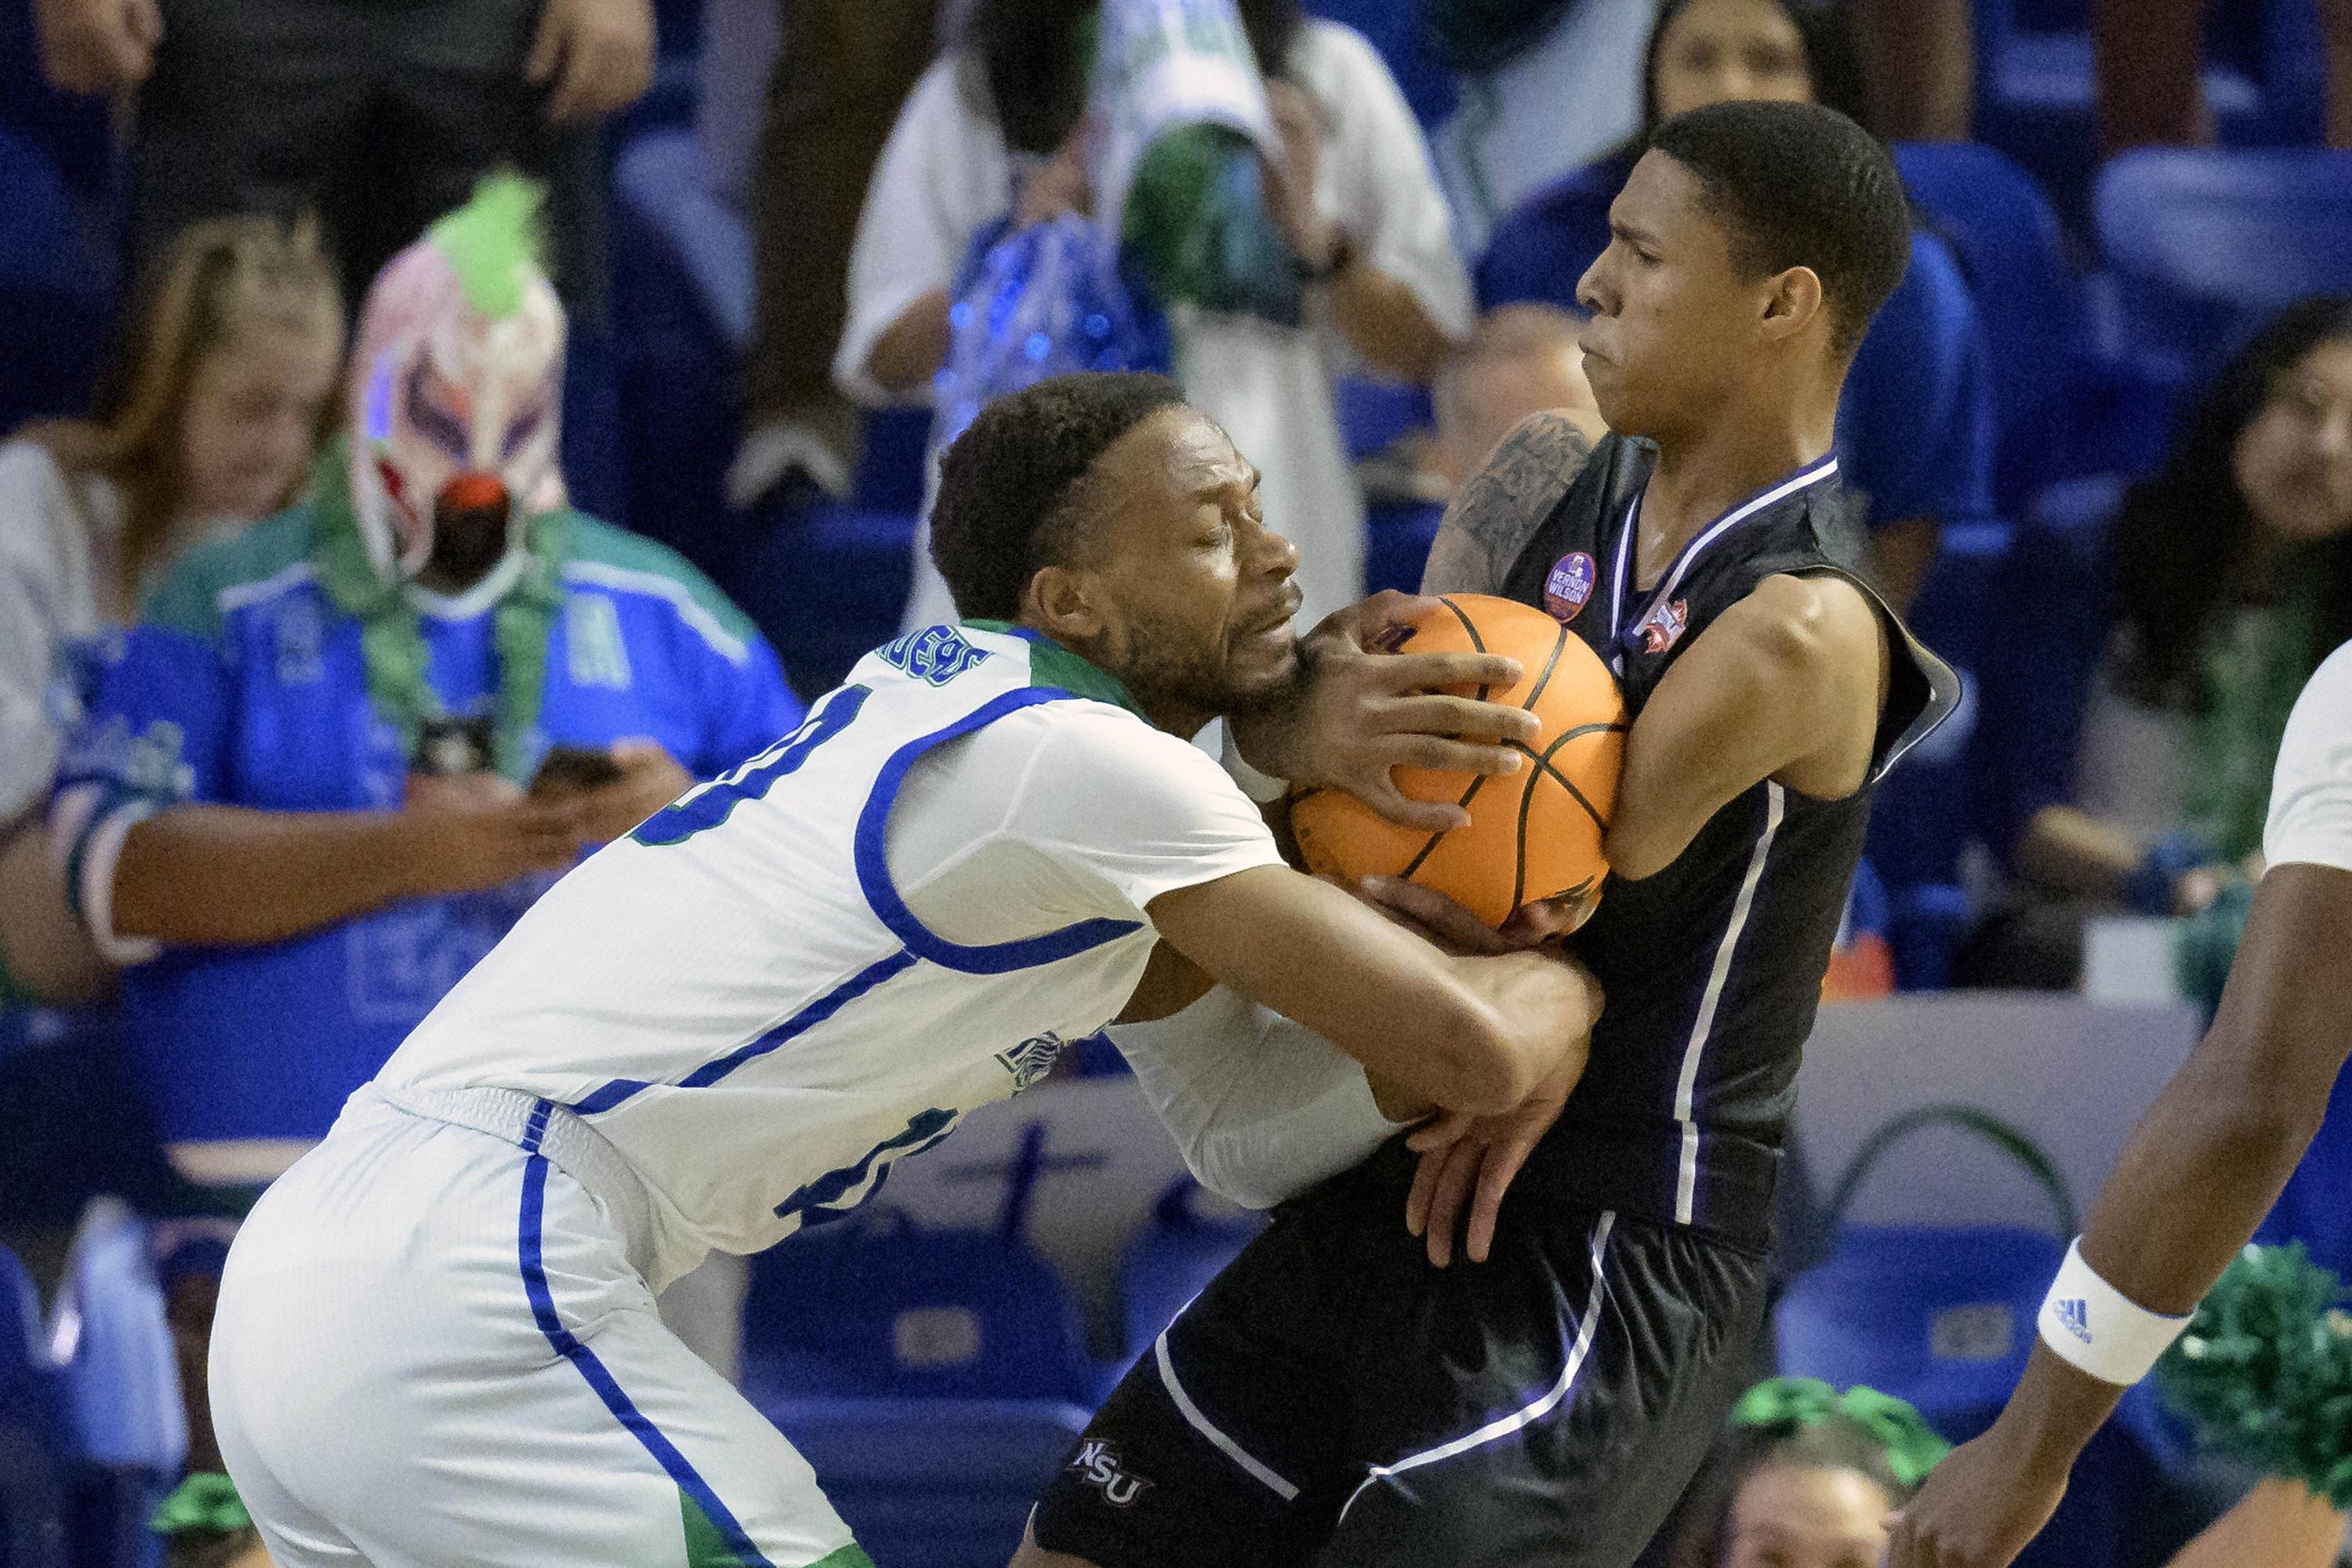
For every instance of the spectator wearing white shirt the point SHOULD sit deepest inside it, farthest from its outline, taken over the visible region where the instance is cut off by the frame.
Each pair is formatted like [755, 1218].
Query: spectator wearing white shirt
[995, 128]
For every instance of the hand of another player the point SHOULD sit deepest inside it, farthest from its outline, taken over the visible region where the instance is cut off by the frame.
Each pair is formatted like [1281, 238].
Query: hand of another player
[594, 57]
[1979, 1508]
[97, 45]
[473, 831]
[1358, 712]
[650, 779]
[1472, 1159]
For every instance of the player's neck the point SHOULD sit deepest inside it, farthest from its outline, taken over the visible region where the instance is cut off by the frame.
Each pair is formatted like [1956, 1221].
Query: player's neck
[1705, 473]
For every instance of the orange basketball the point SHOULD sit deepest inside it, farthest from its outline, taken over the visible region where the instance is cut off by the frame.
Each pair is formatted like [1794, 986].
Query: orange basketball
[1533, 835]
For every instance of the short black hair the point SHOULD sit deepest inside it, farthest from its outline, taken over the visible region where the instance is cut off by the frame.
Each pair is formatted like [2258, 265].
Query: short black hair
[1801, 185]
[1008, 484]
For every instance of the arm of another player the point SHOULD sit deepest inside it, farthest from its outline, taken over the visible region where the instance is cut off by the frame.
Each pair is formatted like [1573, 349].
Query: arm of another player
[1474, 1034]
[2208, 1160]
[1786, 685]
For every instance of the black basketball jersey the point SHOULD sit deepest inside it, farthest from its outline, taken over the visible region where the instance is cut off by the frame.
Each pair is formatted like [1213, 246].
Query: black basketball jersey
[1712, 966]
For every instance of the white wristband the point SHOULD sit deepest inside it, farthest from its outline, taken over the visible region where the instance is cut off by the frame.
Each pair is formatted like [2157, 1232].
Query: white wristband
[2096, 1328]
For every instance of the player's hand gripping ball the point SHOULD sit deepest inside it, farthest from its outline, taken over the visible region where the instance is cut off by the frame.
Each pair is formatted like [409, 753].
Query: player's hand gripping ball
[1533, 834]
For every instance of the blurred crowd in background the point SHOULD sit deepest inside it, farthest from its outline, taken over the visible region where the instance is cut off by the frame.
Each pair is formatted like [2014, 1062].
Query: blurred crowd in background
[267, 786]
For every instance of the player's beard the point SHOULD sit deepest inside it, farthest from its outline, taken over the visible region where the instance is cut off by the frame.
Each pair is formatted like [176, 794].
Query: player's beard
[1167, 662]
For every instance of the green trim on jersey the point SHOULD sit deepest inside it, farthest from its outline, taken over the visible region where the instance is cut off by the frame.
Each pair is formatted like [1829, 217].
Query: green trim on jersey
[188, 599]
[705, 1546]
[1051, 664]
[850, 1556]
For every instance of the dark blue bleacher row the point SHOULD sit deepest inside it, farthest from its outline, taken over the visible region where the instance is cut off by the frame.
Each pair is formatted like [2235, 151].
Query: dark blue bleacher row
[92, 1430]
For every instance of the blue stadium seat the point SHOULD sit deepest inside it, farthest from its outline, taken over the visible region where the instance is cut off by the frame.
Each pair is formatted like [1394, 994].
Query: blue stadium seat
[932, 1483]
[121, 1382]
[2037, 90]
[2052, 600]
[1925, 814]
[1943, 1318]
[32, 1491]
[1372, 414]
[1169, 1260]
[876, 1307]
[57, 274]
[682, 313]
[2205, 245]
[1396, 545]
[826, 584]
[2006, 234]
[72, 130]
[934, 1378]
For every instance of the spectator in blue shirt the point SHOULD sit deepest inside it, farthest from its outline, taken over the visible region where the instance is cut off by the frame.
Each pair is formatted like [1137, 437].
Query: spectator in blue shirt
[1915, 429]
[339, 754]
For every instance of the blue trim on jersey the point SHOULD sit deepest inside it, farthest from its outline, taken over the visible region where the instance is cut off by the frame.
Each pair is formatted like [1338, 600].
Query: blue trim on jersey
[799, 1022]
[882, 894]
[599, 1377]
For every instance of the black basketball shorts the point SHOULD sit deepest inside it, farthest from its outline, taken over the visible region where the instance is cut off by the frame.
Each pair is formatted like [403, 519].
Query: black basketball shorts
[1331, 1399]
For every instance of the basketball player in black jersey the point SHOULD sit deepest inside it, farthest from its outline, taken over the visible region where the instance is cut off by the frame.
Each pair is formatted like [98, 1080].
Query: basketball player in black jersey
[1332, 1397]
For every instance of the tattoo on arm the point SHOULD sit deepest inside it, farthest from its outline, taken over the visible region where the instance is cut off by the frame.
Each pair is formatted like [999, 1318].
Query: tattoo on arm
[1499, 509]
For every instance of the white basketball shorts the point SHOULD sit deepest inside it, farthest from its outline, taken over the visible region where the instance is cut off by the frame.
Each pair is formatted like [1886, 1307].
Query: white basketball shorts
[433, 1347]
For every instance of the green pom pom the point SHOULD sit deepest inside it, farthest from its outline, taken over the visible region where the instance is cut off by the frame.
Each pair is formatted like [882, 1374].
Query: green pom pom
[206, 1504]
[493, 243]
[2264, 1370]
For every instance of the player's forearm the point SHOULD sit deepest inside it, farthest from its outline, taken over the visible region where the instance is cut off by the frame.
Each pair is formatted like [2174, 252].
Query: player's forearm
[2204, 1166]
[1470, 1034]
[227, 876]
[2208, 1158]
[1685, 759]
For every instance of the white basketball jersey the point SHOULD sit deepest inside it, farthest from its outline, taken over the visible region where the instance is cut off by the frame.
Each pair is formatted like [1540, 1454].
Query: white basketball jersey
[739, 998]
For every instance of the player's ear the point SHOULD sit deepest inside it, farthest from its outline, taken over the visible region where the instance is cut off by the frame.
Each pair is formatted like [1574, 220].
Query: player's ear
[1062, 605]
[1793, 301]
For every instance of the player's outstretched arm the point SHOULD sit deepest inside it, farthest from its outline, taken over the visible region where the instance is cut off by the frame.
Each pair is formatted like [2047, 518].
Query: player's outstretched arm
[1469, 1034]
[1786, 684]
[2203, 1167]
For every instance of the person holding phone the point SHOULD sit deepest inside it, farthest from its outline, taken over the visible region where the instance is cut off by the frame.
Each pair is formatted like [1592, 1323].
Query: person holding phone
[339, 755]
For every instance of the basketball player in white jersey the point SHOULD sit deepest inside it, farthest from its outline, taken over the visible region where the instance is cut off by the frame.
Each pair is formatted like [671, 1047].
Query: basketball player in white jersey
[436, 1340]
[2205, 1166]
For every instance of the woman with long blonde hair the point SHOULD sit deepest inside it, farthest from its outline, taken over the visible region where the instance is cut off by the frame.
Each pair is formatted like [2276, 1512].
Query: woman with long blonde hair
[208, 421]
